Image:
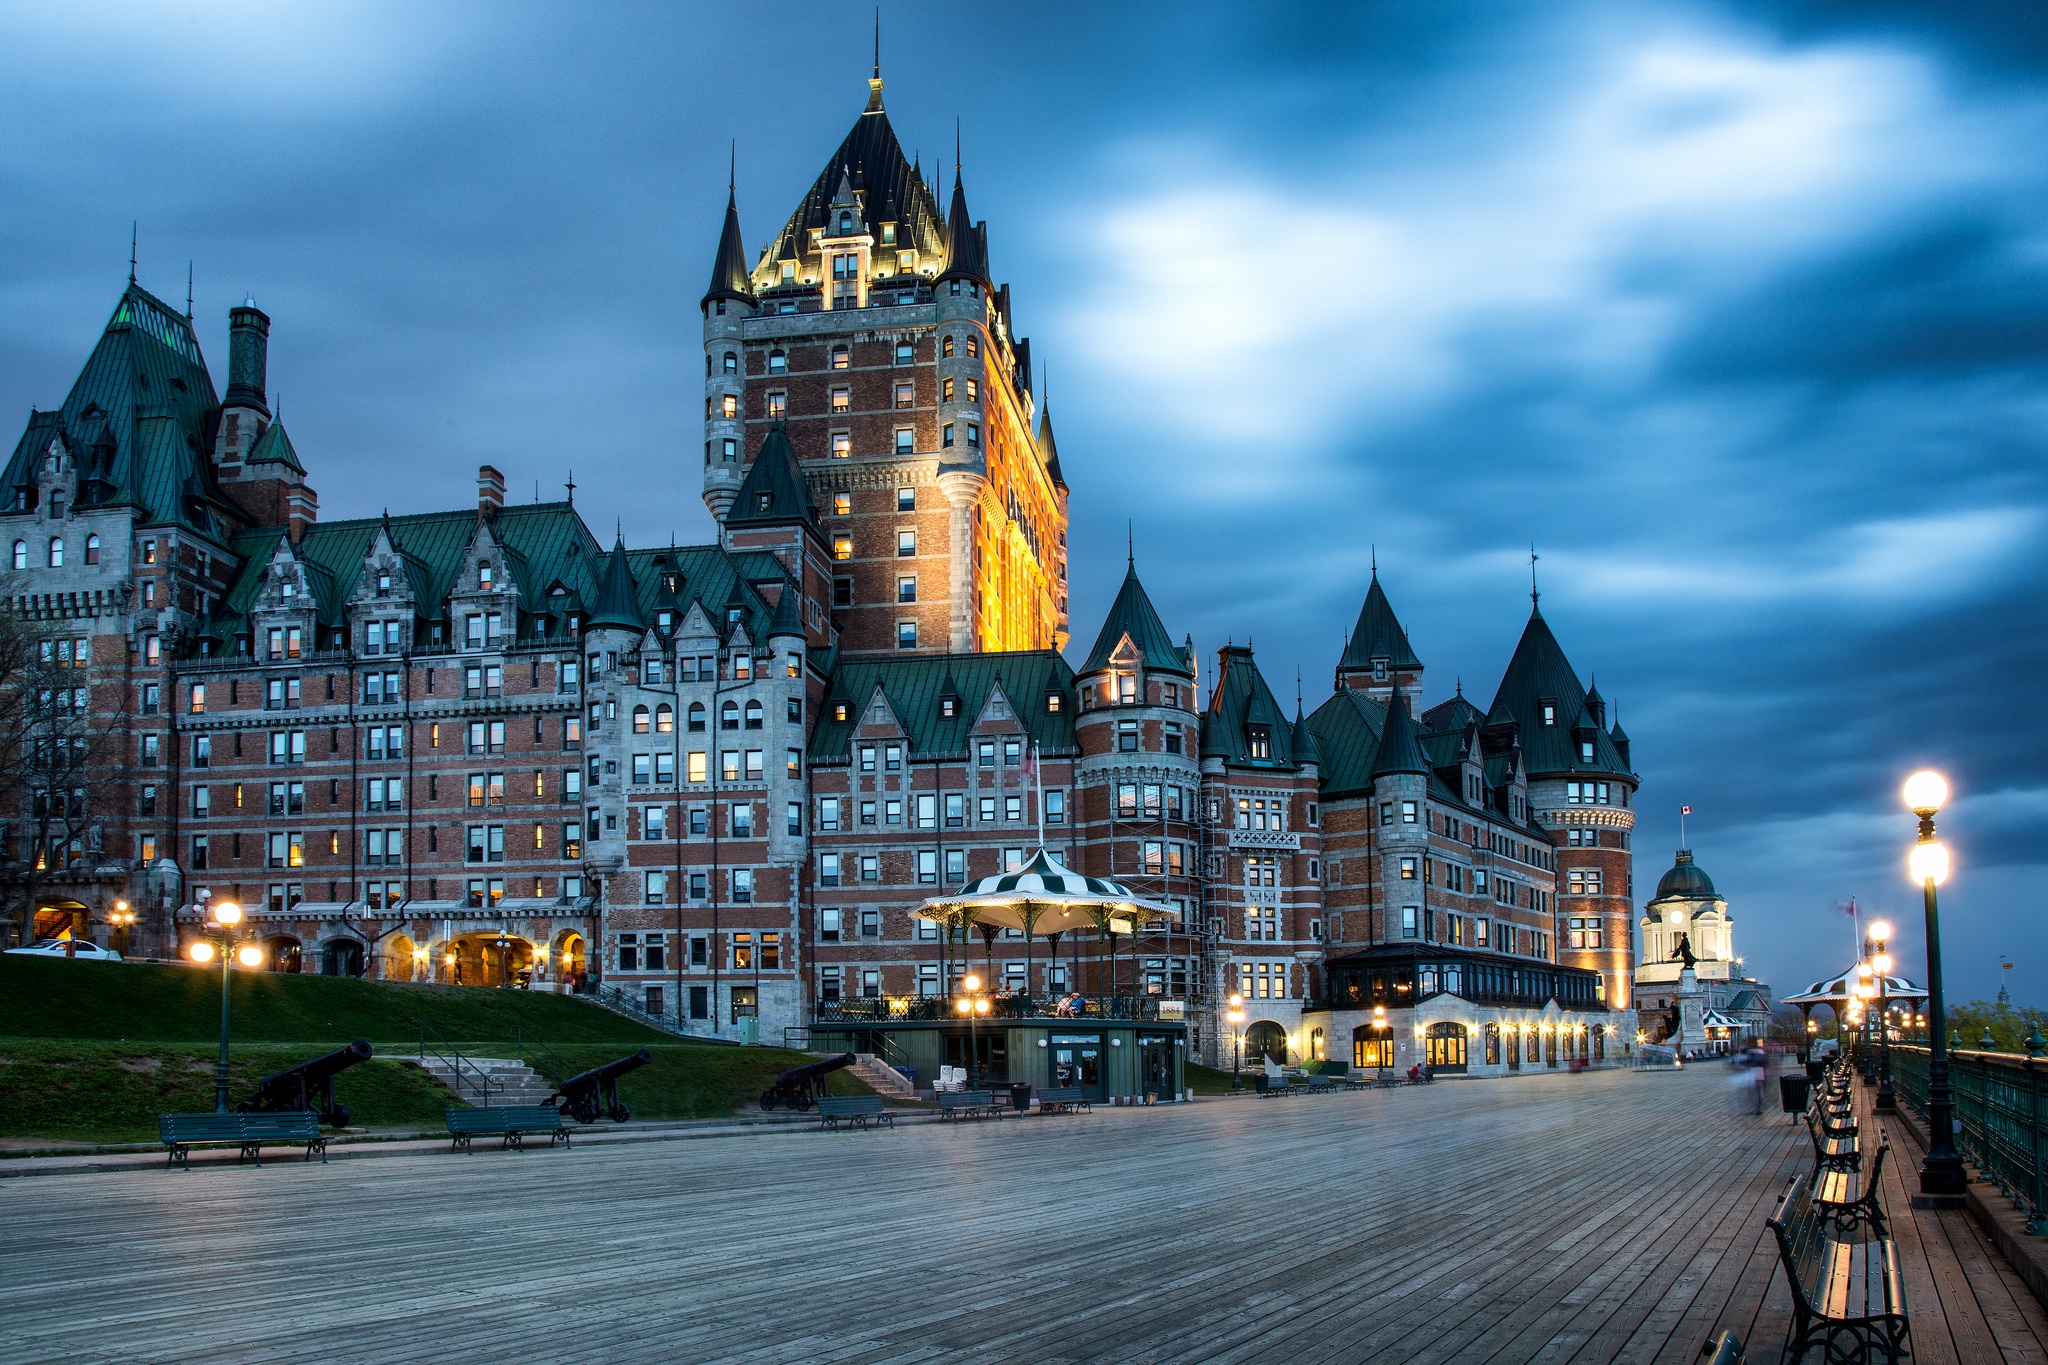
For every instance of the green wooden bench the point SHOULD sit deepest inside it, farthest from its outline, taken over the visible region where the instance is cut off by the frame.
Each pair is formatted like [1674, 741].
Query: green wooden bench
[967, 1104]
[1848, 1298]
[1319, 1084]
[855, 1111]
[182, 1132]
[1276, 1085]
[511, 1122]
[1060, 1099]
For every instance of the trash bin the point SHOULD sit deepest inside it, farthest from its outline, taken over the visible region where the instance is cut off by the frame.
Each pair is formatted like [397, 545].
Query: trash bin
[1020, 1098]
[1815, 1070]
[1792, 1093]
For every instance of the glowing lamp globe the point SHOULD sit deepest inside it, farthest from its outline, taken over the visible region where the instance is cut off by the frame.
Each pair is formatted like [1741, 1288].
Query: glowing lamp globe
[249, 955]
[1929, 863]
[1884, 964]
[1880, 930]
[963, 1006]
[1925, 791]
[202, 951]
[227, 912]
[972, 983]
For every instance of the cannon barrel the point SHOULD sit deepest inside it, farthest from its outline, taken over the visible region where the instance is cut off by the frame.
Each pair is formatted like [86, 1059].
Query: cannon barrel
[586, 1095]
[295, 1087]
[800, 1086]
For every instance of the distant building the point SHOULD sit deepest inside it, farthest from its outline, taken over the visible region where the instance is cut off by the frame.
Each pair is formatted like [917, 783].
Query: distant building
[474, 745]
[1688, 908]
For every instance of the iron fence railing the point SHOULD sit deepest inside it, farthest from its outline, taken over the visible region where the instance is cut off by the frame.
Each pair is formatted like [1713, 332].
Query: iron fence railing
[2001, 1112]
[937, 1008]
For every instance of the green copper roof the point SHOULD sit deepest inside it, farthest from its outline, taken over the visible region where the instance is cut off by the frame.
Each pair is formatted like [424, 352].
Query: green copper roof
[1399, 752]
[617, 602]
[1449, 717]
[139, 421]
[775, 490]
[1347, 730]
[1303, 739]
[705, 575]
[917, 687]
[1241, 705]
[1540, 675]
[1378, 634]
[274, 447]
[871, 160]
[1132, 614]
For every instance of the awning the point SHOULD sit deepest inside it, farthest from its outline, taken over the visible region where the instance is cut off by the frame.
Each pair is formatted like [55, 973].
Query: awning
[1043, 897]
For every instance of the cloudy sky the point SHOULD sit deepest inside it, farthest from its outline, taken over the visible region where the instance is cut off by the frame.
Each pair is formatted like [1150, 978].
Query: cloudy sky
[1737, 312]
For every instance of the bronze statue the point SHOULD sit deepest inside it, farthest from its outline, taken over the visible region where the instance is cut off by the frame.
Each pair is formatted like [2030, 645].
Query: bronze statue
[1684, 953]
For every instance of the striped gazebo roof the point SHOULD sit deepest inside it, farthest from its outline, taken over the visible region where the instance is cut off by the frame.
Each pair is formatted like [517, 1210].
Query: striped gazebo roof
[1044, 896]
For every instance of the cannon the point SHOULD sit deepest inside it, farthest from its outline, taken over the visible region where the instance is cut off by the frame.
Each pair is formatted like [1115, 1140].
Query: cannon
[596, 1091]
[800, 1087]
[294, 1088]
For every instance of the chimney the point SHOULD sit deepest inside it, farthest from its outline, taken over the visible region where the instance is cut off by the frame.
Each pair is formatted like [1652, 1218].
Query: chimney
[248, 358]
[490, 493]
[302, 509]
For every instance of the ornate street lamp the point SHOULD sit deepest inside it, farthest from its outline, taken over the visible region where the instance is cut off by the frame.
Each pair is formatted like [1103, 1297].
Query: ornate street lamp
[1942, 1179]
[1236, 1017]
[122, 918]
[226, 915]
[1384, 1029]
[972, 1005]
[1880, 934]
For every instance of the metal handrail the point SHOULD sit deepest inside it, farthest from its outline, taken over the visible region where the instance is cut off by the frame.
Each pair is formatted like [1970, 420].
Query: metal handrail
[451, 1057]
[621, 1001]
[937, 1008]
[2001, 1126]
[545, 1059]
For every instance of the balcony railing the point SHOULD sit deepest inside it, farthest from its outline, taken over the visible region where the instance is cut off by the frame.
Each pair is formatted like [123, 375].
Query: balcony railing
[1999, 1111]
[938, 1008]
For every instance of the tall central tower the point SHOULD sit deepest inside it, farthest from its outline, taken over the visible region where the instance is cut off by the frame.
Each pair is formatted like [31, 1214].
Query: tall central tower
[870, 332]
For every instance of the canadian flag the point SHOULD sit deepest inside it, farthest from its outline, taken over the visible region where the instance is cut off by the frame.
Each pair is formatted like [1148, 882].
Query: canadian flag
[1031, 762]
[1685, 810]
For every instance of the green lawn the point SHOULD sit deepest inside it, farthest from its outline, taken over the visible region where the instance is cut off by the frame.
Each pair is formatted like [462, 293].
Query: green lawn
[1206, 1081]
[93, 1051]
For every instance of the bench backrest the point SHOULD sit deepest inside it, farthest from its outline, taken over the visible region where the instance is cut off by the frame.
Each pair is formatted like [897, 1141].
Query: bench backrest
[963, 1099]
[510, 1118]
[1059, 1094]
[294, 1124]
[1802, 1231]
[837, 1106]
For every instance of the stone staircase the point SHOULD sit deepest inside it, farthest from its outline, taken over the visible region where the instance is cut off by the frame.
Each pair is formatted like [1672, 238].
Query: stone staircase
[882, 1078]
[507, 1082]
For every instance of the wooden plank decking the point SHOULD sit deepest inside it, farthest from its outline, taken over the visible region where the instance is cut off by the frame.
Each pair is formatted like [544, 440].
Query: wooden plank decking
[1603, 1217]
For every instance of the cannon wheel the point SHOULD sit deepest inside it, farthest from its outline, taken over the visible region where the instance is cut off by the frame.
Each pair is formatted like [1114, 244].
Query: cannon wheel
[618, 1113]
[337, 1117]
[584, 1109]
[768, 1100]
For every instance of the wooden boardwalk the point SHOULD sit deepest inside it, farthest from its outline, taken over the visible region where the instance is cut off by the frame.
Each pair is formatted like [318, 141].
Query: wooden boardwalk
[1603, 1217]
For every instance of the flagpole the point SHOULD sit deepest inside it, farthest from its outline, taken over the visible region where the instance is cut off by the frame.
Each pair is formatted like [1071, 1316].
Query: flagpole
[1038, 772]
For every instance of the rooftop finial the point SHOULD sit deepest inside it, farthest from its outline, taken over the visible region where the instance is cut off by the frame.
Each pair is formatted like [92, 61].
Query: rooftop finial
[134, 232]
[875, 81]
[1130, 545]
[732, 170]
[956, 146]
[188, 290]
[1375, 561]
[571, 486]
[1535, 597]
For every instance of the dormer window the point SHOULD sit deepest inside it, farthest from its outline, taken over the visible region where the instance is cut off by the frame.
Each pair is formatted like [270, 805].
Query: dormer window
[839, 710]
[789, 272]
[888, 234]
[1549, 713]
[1127, 688]
[946, 708]
[57, 504]
[1261, 740]
[763, 502]
[383, 585]
[291, 590]
[1379, 670]
[845, 222]
[483, 574]
[1052, 703]
[665, 620]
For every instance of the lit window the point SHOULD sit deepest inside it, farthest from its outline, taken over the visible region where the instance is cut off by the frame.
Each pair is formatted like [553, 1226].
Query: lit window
[842, 547]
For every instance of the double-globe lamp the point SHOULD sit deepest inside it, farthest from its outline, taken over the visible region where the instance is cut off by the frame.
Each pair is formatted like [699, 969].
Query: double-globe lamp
[226, 915]
[1941, 1169]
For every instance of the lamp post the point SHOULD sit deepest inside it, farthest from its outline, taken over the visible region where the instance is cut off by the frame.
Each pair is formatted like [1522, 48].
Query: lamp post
[1384, 1032]
[1864, 991]
[226, 915]
[973, 1005]
[1941, 1169]
[1880, 934]
[1236, 1017]
[121, 917]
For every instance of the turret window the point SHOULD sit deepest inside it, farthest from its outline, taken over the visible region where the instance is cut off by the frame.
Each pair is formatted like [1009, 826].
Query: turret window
[732, 363]
[945, 391]
[1585, 751]
[973, 347]
[946, 347]
[1260, 740]
[1587, 793]
[845, 223]
[974, 391]
[1127, 688]
[21, 554]
[778, 362]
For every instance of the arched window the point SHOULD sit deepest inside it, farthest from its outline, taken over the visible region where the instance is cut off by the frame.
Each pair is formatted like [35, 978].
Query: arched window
[729, 716]
[1493, 1044]
[92, 549]
[696, 715]
[57, 552]
[1315, 1046]
[665, 719]
[946, 346]
[778, 363]
[1371, 1048]
[753, 715]
[732, 362]
[21, 554]
[639, 720]
[1265, 1039]
[845, 222]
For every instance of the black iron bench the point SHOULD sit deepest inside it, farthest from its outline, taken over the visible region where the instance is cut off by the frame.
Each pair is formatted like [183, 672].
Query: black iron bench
[855, 1111]
[1320, 1085]
[1843, 1271]
[1834, 1149]
[1060, 1099]
[182, 1132]
[1275, 1085]
[511, 1122]
[1852, 1193]
[967, 1104]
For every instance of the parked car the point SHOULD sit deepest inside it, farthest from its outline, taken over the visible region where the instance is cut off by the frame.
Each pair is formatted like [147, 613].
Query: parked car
[77, 949]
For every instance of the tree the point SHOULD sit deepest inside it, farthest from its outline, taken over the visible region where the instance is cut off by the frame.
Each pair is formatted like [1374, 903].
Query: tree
[2009, 1024]
[58, 763]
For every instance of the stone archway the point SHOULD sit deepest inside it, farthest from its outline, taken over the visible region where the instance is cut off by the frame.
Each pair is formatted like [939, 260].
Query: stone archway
[283, 953]
[489, 959]
[55, 919]
[342, 957]
[1265, 1039]
[570, 959]
[401, 959]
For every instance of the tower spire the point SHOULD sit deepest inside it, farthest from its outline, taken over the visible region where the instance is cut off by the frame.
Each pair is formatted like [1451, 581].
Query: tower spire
[1535, 597]
[875, 81]
[134, 231]
[188, 289]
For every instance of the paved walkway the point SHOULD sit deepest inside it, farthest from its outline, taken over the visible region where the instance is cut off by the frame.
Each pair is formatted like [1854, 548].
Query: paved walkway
[1602, 1217]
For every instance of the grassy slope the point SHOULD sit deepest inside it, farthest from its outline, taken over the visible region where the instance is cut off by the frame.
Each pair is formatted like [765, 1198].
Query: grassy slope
[94, 1051]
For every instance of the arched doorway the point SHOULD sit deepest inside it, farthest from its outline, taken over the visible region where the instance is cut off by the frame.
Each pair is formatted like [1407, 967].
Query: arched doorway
[1372, 1049]
[283, 953]
[572, 960]
[490, 960]
[1492, 1036]
[56, 919]
[1446, 1045]
[1264, 1040]
[399, 957]
[341, 957]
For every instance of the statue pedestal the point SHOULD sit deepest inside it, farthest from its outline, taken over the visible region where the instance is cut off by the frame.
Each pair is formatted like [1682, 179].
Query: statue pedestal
[1692, 1019]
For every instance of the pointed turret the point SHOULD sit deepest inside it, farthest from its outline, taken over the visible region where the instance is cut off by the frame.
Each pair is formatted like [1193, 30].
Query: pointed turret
[274, 447]
[729, 277]
[1048, 451]
[788, 620]
[966, 241]
[1304, 740]
[1541, 692]
[1400, 751]
[1133, 615]
[775, 489]
[1378, 660]
[1245, 724]
[618, 599]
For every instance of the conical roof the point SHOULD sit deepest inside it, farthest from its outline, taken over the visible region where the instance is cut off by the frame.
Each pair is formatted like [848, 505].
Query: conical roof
[788, 620]
[1304, 740]
[1241, 704]
[1132, 614]
[871, 160]
[775, 489]
[1378, 634]
[1537, 675]
[1048, 451]
[618, 600]
[274, 447]
[966, 243]
[1400, 752]
[729, 278]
